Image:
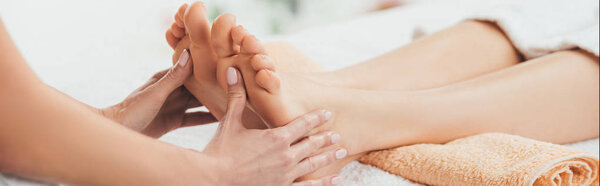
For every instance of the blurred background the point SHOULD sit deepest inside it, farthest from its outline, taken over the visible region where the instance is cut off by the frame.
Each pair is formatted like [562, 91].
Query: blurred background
[66, 41]
[99, 51]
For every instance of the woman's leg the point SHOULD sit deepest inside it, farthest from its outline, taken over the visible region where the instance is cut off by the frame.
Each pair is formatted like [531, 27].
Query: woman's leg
[464, 51]
[552, 98]
[491, 44]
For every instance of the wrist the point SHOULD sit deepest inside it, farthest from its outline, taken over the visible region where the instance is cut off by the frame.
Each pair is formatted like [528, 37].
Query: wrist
[108, 112]
[202, 168]
[113, 113]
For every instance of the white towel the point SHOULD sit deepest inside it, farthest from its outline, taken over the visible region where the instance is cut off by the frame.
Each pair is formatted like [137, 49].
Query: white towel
[540, 27]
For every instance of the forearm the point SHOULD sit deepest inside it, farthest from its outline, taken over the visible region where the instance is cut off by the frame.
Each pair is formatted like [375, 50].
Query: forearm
[48, 136]
[53, 138]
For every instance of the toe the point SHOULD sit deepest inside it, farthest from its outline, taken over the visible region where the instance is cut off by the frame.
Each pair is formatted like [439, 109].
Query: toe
[221, 35]
[238, 33]
[251, 45]
[196, 24]
[260, 62]
[171, 39]
[177, 31]
[179, 15]
[268, 80]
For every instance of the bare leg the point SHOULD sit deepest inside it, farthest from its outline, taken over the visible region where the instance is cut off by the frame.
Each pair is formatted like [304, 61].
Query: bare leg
[516, 100]
[431, 71]
[552, 98]
[464, 51]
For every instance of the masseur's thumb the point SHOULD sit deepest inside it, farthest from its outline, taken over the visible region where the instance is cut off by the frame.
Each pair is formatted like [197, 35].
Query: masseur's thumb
[236, 95]
[175, 77]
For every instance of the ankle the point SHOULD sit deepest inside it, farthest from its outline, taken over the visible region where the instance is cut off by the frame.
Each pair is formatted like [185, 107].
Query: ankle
[382, 119]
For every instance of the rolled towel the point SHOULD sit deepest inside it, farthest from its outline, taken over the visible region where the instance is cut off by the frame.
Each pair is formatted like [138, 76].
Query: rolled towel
[489, 159]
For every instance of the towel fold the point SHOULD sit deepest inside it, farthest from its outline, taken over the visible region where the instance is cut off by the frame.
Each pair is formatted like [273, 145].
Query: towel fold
[489, 159]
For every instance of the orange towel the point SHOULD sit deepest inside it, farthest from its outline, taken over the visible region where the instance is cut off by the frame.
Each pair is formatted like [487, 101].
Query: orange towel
[489, 159]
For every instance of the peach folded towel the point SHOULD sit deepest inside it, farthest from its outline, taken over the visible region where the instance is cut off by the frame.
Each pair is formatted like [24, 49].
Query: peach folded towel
[489, 159]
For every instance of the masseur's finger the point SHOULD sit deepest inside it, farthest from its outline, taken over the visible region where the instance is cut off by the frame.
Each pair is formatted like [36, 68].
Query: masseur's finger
[316, 162]
[302, 125]
[312, 144]
[153, 79]
[236, 96]
[174, 77]
[324, 181]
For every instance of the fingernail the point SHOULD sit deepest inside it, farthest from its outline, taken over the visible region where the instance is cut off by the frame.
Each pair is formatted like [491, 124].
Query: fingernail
[339, 154]
[335, 138]
[327, 115]
[231, 76]
[183, 58]
[336, 180]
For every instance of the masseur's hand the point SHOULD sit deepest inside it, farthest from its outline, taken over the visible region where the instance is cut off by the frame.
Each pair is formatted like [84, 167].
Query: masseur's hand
[160, 105]
[275, 156]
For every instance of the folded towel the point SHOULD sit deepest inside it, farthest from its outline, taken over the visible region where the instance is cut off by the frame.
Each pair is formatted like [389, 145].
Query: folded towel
[489, 159]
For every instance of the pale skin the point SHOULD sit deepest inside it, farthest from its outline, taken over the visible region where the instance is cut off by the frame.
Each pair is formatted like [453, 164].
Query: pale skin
[46, 135]
[461, 81]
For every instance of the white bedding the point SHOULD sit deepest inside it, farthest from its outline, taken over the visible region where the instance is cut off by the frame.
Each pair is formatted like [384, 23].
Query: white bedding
[97, 80]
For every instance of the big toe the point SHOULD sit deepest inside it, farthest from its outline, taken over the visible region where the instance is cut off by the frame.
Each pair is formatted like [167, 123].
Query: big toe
[196, 23]
[221, 35]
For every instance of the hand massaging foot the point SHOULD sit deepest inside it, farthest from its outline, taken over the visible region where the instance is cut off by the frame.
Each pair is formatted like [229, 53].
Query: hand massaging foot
[192, 31]
[276, 96]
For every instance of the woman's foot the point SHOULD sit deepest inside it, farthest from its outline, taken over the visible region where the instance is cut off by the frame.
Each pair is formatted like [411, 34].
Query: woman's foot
[280, 96]
[192, 31]
[277, 94]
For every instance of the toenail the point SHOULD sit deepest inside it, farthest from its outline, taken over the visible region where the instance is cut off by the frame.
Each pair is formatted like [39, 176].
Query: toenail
[231, 76]
[339, 154]
[183, 58]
